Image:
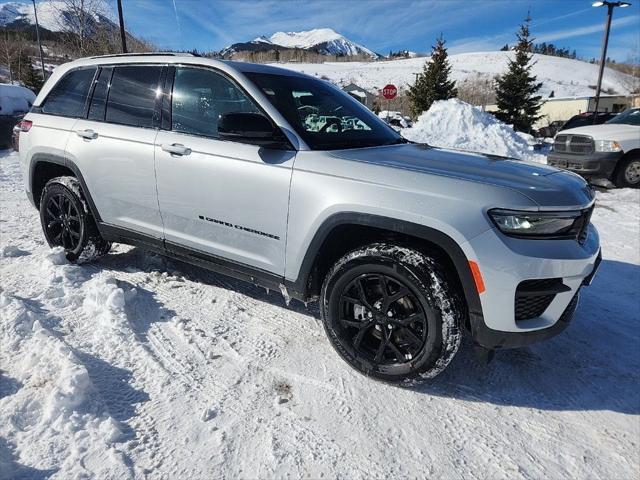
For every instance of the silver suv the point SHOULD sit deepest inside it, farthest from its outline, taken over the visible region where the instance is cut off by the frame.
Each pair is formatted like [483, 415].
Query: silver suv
[283, 180]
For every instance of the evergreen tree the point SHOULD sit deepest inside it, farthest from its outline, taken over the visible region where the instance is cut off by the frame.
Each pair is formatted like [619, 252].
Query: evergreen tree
[516, 92]
[433, 83]
[32, 79]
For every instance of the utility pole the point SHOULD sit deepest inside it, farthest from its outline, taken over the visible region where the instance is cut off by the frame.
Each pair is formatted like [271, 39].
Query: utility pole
[35, 14]
[123, 34]
[605, 43]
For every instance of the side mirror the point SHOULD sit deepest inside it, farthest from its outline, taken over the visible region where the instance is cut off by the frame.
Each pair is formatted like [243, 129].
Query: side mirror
[252, 128]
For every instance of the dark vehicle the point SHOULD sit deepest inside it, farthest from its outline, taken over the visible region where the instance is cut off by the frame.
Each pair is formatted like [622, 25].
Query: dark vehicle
[551, 129]
[586, 118]
[15, 102]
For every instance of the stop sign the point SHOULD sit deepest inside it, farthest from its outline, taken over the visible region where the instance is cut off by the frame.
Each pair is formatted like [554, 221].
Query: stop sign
[389, 92]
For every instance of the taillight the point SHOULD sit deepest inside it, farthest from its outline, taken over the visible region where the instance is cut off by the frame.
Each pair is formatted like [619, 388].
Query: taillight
[25, 125]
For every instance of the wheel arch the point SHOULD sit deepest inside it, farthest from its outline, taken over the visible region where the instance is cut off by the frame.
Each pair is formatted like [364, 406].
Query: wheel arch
[343, 232]
[44, 167]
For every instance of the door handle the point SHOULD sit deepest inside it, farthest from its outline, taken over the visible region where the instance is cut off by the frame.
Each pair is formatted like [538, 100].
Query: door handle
[176, 149]
[88, 134]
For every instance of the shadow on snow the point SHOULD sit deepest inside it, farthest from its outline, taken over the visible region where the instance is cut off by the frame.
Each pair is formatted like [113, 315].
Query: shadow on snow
[593, 365]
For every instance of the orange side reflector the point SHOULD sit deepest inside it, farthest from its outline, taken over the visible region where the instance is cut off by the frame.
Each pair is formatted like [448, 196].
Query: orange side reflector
[477, 276]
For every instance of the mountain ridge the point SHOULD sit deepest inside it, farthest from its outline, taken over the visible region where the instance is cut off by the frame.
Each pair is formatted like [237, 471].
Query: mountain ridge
[324, 41]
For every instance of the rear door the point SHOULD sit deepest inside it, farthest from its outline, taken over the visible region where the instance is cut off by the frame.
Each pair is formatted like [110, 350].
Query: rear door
[114, 147]
[55, 119]
[221, 198]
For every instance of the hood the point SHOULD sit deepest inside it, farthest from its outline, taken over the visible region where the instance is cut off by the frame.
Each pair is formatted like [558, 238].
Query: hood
[605, 131]
[547, 186]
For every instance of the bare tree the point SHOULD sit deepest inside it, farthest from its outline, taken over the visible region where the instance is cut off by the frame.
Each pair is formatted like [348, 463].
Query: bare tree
[478, 90]
[79, 22]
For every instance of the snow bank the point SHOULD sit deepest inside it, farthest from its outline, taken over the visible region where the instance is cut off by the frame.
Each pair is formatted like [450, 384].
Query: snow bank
[456, 124]
[56, 418]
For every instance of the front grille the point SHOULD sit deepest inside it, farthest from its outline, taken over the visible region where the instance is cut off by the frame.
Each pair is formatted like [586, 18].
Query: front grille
[578, 144]
[533, 297]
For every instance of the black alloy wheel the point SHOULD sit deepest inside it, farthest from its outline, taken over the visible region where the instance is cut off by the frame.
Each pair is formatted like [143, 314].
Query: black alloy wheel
[62, 223]
[383, 321]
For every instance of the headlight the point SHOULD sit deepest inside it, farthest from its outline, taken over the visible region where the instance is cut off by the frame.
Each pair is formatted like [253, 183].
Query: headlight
[607, 146]
[538, 224]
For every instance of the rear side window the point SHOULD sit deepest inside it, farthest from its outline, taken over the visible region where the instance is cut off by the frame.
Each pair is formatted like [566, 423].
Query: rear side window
[199, 98]
[132, 96]
[99, 99]
[69, 96]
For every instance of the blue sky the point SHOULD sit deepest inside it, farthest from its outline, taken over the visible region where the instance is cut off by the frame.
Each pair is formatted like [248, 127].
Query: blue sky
[468, 25]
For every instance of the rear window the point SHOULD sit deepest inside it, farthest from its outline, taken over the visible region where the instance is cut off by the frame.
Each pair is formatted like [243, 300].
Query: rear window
[69, 96]
[132, 96]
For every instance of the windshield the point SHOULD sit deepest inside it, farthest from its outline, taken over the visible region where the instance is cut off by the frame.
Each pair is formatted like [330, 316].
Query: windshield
[630, 117]
[325, 117]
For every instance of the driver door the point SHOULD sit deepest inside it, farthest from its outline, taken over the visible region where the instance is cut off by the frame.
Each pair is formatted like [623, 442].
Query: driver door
[220, 198]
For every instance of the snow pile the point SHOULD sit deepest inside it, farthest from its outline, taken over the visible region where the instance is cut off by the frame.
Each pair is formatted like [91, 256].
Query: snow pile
[456, 124]
[55, 417]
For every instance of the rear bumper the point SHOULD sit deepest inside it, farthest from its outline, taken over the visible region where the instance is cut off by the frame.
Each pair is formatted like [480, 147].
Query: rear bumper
[594, 165]
[506, 262]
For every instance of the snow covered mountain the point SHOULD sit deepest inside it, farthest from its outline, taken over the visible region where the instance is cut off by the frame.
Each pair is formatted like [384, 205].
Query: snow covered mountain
[53, 15]
[324, 41]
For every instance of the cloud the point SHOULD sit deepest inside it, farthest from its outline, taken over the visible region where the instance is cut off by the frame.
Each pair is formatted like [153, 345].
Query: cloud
[580, 31]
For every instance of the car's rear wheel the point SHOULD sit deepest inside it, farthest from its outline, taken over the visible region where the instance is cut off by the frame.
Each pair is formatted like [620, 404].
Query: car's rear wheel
[390, 312]
[67, 222]
[627, 174]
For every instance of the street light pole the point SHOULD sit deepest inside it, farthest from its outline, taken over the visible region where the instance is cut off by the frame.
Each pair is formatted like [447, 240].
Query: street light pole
[123, 34]
[605, 43]
[35, 14]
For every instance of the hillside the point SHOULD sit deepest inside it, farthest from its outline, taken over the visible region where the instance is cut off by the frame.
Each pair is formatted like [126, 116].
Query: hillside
[562, 76]
[323, 41]
[54, 16]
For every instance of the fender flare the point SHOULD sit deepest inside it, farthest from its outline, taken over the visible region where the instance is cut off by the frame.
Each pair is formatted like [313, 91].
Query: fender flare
[40, 158]
[442, 240]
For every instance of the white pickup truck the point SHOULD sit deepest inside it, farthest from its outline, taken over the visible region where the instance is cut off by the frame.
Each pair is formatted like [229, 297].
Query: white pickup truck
[610, 150]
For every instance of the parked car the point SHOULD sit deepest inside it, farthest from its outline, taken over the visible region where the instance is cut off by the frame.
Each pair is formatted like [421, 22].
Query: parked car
[407, 247]
[586, 118]
[610, 151]
[15, 101]
[550, 130]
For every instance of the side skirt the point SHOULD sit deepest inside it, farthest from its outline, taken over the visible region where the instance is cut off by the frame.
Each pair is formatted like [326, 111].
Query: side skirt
[195, 257]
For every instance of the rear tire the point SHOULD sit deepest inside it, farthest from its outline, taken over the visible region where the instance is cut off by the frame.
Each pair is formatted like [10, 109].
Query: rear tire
[391, 314]
[68, 223]
[627, 173]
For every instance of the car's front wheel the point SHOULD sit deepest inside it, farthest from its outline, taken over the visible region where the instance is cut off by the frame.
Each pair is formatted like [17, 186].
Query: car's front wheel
[390, 312]
[627, 174]
[67, 222]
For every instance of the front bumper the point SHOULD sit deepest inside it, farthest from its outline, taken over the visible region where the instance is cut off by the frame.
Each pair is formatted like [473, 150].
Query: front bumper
[506, 262]
[593, 165]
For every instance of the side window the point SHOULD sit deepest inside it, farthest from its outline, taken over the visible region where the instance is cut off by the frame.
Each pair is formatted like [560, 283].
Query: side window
[200, 96]
[69, 96]
[132, 95]
[99, 99]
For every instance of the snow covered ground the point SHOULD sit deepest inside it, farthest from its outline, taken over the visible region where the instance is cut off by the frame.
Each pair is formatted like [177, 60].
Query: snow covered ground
[142, 367]
[563, 76]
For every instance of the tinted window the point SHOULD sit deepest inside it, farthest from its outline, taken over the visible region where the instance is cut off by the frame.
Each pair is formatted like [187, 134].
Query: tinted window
[132, 95]
[199, 98]
[99, 99]
[325, 117]
[68, 97]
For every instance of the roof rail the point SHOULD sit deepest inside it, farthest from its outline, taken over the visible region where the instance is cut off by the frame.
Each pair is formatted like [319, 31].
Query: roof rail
[145, 54]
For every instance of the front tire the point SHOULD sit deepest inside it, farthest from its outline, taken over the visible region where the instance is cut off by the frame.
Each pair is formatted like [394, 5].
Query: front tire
[67, 222]
[391, 314]
[627, 173]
